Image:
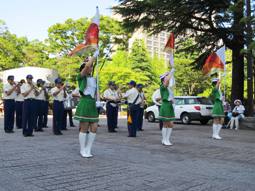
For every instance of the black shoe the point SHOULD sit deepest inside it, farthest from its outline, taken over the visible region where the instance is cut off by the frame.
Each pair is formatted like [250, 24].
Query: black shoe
[65, 129]
[9, 131]
[113, 131]
[58, 133]
[72, 125]
[28, 135]
[140, 129]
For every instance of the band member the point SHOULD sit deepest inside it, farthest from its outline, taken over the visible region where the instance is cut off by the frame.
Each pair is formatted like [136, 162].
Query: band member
[218, 110]
[29, 107]
[69, 105]
[134, 101]
[112, 99]
[45, 106]
[58, 93]
[142, 106]
[19, 100]
[9, 104]
[166, 113]
[86, 112]
[156, 98]
[40, 99]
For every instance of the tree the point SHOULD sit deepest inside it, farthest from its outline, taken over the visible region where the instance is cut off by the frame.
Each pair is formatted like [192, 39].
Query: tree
[11, 54]
[207, 22]
[64, 36]
[188, 80]
[140, 61]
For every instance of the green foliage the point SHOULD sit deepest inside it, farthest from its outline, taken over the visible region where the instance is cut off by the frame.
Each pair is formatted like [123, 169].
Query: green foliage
[188, 80]
[140, 62]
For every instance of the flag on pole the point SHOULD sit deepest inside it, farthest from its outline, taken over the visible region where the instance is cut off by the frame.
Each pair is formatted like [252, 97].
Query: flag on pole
[90, 37]
[169, 48]
[215, 62]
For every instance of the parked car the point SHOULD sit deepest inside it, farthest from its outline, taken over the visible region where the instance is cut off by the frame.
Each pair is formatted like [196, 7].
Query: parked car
[187, 109]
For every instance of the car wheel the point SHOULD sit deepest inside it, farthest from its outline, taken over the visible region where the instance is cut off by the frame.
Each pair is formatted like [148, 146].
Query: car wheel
[185, 118]
[204, 121]
[151, 117]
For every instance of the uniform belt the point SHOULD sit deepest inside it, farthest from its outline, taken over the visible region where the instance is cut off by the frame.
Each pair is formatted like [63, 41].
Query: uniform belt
[58, 101]
[30, 99]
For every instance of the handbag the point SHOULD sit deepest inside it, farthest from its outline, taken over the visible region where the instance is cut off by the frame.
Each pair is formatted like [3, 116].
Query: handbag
[132, 105]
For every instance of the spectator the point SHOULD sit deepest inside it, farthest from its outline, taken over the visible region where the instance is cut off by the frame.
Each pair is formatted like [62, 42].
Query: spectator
[237, 114]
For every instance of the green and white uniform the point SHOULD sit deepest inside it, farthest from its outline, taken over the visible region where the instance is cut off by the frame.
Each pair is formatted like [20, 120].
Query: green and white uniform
[86, 110]
[218, 110]
[166, 112]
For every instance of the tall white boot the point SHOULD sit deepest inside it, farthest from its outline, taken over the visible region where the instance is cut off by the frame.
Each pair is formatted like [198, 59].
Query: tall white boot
[214, 129]
[237, 123]
[88, 146]
[232, 121]
[164, 134]
[218, 128]
[168, 134]
[82, 141]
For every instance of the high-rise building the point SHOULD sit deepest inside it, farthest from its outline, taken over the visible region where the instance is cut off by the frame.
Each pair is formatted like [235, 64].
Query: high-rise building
[154, 43]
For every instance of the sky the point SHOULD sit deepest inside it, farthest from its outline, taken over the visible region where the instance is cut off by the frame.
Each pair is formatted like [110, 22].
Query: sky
[32, 18]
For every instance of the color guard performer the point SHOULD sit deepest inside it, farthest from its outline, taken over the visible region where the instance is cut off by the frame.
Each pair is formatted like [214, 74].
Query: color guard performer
[218, 110]
[29, 107]
[9, 104]
[166, 113]
[86, 112]
[58, 93]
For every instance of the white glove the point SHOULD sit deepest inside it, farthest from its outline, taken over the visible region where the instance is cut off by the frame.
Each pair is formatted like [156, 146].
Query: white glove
[96, 53]
[99, 104]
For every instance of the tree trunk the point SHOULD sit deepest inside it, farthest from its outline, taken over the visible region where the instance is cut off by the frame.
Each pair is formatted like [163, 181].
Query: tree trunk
[237, 57]
[249, 60]
[237, 74]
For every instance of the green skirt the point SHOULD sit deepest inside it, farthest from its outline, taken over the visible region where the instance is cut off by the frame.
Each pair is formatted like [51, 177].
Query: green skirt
[218, 110]
[166, 112]
[86, 110]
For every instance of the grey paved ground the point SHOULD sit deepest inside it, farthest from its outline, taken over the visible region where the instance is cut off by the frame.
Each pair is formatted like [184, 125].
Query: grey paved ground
[194, 163]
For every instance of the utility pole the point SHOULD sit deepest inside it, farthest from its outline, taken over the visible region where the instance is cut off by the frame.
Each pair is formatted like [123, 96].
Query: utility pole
[249, 60]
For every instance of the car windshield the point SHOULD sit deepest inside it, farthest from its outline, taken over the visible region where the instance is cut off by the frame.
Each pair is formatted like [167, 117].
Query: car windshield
[204, 101]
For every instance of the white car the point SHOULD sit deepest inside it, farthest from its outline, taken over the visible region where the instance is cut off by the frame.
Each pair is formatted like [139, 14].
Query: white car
[187, 109]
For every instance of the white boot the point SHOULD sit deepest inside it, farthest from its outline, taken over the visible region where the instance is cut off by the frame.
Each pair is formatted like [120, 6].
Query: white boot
[232, 121]
[218, 128]
[214, 128]
[88, 146]
[237, 123]
[168, 134]
[164, 134]
[82, 141]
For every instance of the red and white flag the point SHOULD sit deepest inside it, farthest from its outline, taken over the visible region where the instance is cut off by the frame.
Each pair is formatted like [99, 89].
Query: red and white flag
[215, 62]
[91, 37]
[169, 48]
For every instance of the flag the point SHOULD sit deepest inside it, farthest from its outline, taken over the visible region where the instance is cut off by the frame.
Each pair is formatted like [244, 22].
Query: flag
[215, 62]
[90, 37]
[169, 48]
